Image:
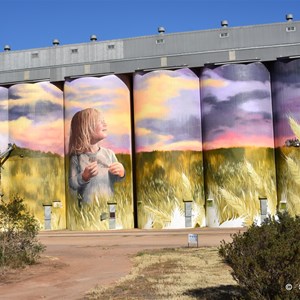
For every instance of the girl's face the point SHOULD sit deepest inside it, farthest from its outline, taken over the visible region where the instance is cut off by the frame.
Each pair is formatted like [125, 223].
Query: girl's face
[100, 130]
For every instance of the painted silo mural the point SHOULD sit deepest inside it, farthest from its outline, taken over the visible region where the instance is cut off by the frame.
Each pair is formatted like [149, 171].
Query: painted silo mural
[286, 105]
[169, 169]
[36, 166]
[98, 147]
[238, 143]
[204, 147]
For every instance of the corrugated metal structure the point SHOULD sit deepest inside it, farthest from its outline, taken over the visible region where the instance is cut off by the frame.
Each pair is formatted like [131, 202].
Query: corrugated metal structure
[186, 49]
[204, 123]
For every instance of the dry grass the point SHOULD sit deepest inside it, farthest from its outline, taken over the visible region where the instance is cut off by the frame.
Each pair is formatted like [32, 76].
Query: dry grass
[237, 177]
[38, 178]
[288, 173]
[164, 180]
[184, 273]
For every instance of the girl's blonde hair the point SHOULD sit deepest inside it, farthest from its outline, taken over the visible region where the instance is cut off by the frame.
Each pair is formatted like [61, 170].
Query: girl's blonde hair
[83, 126]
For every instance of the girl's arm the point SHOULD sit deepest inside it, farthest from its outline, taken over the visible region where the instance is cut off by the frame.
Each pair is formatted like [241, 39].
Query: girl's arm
[116, 168]
[75, 179]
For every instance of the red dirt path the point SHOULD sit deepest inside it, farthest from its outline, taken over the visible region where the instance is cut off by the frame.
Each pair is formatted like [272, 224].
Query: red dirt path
[75, 262]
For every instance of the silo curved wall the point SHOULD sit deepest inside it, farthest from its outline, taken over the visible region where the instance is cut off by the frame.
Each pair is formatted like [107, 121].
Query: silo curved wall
[36, 166]
[286, 106]
[4, 137]
[106, 201]
[168, 145]
[237, 126]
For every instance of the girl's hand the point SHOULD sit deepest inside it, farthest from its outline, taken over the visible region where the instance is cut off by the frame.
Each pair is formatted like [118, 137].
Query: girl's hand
[91, 170]
[117, 169]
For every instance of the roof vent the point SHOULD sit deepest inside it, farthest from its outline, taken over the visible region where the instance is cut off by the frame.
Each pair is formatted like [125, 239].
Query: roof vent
[224, 23]
[55, 42]
[6, 48]
[289, 17]
[161, 30]
[93, 38]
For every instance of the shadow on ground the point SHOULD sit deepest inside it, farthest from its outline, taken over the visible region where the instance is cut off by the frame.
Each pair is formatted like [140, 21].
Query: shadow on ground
[222, 292]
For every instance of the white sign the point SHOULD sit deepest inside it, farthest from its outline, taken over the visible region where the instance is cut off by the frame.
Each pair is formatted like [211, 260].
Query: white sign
[192, 239]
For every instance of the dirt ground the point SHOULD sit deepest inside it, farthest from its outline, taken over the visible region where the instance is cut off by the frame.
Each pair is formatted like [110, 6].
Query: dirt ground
[75, 262]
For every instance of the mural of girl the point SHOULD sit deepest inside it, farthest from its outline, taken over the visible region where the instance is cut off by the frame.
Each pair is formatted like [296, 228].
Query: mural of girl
[93, 169]
[98, 151]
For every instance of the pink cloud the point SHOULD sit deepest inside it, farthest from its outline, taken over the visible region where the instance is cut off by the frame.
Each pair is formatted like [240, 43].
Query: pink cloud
[42, 137]
[232, 139]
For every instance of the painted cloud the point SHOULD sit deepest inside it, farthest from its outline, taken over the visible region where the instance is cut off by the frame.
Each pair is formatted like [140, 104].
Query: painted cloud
[237, 107]
[167, 111]
[35, 114]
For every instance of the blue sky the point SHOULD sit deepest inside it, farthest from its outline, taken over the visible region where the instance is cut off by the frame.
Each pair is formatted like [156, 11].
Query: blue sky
[27, 24]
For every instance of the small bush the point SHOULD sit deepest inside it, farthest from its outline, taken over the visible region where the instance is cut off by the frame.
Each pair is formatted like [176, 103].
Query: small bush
[18, 230]
[266, 258]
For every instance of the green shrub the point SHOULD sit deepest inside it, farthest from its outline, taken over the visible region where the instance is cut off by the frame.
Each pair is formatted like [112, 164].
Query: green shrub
[266, 258]
[18, 230]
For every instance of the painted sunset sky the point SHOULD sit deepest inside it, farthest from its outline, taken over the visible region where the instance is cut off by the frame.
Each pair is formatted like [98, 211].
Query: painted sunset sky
[286, 98]
[235, 102]
[35, 113]
[111, 96]
[236, 107]
[167, 111]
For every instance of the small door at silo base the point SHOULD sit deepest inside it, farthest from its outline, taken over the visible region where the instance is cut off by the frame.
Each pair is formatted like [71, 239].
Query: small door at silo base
[112, 216]
[47, 217]
[188, 213]
[263, 209]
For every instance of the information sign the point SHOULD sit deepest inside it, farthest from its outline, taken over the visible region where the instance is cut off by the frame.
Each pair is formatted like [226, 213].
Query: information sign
[192, 239]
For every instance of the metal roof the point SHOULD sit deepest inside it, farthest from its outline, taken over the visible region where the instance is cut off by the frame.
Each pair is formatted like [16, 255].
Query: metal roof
[267, 42]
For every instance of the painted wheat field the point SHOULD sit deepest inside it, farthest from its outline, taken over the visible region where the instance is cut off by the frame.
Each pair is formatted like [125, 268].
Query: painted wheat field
[288, 174]
[165, 179]
[39, 179]
[235, 178]
[289, 179]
